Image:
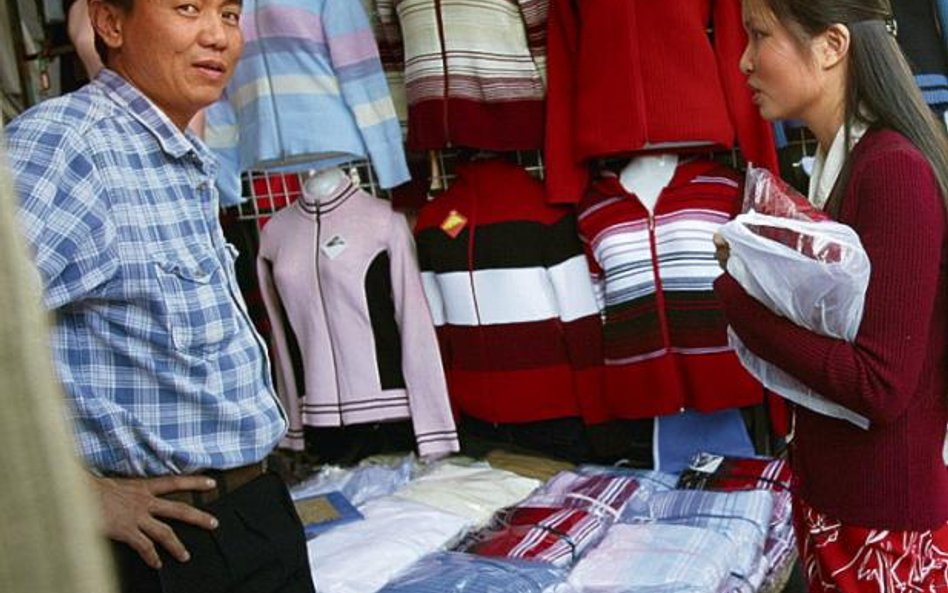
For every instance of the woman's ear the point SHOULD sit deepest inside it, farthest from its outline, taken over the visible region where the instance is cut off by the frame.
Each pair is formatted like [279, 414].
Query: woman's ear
[834, 46]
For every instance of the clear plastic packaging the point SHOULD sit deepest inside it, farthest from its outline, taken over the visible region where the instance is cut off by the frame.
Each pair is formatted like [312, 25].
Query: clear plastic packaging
[742, 517]
[554, 535]
[371, 479]
[452, 572]
[655, 558]
[602, 494]
[361, 556]
[803, 266]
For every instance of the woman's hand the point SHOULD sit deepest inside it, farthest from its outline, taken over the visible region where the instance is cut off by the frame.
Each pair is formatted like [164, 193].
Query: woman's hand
[722, 251]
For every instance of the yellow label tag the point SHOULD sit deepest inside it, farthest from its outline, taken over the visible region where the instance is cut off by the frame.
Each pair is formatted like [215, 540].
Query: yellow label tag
[316, 510]
[454, 223]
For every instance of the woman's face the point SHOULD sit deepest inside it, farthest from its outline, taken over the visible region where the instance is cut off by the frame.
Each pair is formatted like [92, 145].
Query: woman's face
[782, 72]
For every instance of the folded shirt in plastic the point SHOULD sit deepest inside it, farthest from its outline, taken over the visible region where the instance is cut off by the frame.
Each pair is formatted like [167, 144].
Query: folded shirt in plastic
[324, 511]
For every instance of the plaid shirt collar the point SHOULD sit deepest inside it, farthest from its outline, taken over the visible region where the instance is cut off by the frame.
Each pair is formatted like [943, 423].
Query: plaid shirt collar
[173, 141]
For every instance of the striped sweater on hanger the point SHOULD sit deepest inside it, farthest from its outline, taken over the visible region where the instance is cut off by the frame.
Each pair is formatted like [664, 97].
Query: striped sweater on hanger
[474, 70]
[308, 92]
[510, 294]
[664, 339]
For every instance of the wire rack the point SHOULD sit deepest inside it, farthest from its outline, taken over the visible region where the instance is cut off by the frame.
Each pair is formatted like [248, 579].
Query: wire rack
[443, 164]
[265, 193]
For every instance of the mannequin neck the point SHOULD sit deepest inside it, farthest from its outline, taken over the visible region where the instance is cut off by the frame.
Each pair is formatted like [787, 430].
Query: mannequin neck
[646, 176]
[324, 185]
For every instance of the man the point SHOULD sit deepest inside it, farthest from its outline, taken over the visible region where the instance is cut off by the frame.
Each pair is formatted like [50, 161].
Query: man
[169, 384]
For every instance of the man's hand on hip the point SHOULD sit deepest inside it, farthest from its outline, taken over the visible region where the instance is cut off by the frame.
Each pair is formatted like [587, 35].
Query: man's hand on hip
[132, 507]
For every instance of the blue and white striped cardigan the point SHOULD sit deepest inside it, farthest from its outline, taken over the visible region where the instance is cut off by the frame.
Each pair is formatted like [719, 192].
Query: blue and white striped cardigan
[308, 93]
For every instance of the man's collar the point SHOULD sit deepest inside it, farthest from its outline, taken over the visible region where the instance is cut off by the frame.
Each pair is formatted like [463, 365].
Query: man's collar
[172, 140]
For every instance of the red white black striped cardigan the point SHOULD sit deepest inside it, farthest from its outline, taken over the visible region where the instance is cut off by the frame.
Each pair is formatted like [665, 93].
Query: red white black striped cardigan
[665, 343]
[511, 297]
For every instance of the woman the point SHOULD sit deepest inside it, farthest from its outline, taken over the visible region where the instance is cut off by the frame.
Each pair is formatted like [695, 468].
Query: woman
[871, 506]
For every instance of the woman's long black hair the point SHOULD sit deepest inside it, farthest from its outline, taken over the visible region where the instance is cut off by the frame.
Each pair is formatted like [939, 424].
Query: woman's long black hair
[881, 90]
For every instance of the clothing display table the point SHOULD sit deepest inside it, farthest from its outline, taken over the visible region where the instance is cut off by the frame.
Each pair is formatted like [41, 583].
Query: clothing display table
[723, 525]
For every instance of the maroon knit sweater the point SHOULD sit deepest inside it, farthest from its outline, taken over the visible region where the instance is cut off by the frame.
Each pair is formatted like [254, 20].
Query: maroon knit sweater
[895, 373]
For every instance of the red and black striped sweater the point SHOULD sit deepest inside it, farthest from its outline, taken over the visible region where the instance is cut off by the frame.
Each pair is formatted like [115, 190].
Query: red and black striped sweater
[511, 297]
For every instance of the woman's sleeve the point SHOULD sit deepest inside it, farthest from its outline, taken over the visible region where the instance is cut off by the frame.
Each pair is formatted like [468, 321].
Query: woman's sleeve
[901, 221]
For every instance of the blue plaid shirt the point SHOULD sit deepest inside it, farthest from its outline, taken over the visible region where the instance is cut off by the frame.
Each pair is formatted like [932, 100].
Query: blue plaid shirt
[151, 338]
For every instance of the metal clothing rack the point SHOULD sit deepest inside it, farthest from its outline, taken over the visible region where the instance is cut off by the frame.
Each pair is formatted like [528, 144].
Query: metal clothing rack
[265, 193]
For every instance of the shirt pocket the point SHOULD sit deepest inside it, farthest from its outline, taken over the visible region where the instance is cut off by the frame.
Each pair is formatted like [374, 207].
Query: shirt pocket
[200, 313]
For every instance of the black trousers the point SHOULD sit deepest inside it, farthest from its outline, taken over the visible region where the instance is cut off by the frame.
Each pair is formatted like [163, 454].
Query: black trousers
[258, 547]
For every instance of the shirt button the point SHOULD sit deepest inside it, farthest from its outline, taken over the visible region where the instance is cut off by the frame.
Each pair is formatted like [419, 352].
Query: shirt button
[202, 186]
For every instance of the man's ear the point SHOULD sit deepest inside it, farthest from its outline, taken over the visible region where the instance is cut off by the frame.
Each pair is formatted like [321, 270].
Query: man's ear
[834, 46]
[107, 20]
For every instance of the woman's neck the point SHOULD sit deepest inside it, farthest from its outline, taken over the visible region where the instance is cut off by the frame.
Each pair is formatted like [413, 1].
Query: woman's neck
[827, 117]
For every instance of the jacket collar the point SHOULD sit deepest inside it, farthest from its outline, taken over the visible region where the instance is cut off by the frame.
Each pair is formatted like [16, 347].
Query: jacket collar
[329, 203]
[688, 168]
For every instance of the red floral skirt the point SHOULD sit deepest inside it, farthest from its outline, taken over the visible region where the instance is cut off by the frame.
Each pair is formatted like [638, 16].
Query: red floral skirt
[844, 558]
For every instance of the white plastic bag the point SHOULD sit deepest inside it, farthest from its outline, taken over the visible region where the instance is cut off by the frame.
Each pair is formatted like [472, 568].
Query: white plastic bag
[802, 266]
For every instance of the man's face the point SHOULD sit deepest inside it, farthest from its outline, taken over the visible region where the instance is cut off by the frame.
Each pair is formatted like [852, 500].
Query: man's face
[179, 53]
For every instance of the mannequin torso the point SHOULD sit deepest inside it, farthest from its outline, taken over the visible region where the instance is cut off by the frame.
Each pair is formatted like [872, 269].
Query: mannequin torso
[646, 176]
